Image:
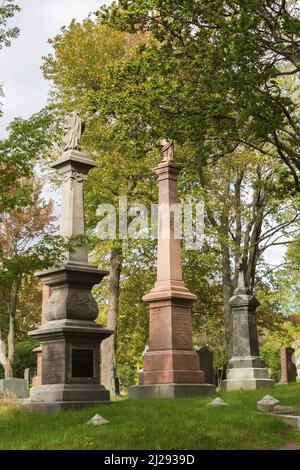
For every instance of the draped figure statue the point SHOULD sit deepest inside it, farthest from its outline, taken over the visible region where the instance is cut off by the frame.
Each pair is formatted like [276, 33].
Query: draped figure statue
[74, 128]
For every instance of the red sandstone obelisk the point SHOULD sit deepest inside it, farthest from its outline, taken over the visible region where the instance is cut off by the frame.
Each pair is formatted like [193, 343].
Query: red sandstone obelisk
[171, 366]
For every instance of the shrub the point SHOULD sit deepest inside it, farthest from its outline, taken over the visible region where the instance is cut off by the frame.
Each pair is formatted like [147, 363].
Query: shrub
[127, 375]
[271, 356]
[220, 363]
[24, 359]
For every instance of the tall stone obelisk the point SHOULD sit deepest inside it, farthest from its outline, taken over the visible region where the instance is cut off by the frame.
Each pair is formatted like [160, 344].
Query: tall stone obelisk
[171, 366]
[246, 370]
[71, 338]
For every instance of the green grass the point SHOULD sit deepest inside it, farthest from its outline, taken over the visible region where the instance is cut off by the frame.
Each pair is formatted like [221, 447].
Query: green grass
[156, 424]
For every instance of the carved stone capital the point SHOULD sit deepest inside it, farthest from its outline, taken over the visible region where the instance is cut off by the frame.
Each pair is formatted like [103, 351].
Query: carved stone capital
[73, 176]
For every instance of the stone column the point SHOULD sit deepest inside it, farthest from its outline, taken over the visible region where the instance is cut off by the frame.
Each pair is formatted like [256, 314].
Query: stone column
[70, 337]
[246, 369]
[171, 366]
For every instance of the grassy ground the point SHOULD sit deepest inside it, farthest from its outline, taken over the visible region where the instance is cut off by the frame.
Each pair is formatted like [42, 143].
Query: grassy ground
[155, 424]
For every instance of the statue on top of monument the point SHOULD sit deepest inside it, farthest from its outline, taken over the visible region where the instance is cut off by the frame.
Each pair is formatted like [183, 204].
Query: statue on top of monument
[74, 128]
[242, 286]
[168, 150]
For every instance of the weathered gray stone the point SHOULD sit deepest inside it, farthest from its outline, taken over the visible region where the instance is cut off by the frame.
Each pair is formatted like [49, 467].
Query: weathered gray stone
[292, 420]
[170, 391]
[10, 388]
[53, 407]
[27, 375]
[288, 414]
[246, 370]
[267, 403]
[98, 420]
[217, 402]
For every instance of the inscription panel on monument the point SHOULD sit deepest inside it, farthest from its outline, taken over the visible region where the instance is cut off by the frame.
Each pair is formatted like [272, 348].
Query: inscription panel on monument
[82, 363]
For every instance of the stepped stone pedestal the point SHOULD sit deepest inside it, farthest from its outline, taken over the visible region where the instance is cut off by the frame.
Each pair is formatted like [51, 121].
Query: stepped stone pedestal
[171, 366]
[70, 338]
[246, 370]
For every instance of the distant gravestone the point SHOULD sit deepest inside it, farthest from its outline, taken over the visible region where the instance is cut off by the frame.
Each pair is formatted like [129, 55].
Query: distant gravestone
[27, 374]
[14, 388]
[288, 368]
[2, 352]
[217, 402]
[296, 346]
[206, 358]
[27, 377]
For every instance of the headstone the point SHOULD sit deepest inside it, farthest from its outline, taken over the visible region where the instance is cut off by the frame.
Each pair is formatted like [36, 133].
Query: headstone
[171, 366]
[296, 346]
[14, 388]
[206, 360]
[71, 338]
[217, 402]
[2, 352]
[288, 367]
[98, 420]
[246, 370]
[267, 403]
[27, 375]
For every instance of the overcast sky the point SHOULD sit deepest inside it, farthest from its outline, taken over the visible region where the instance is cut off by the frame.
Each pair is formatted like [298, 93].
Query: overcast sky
[25, 88]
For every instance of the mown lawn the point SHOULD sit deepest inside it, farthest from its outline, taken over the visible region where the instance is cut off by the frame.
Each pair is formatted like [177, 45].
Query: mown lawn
[155, 424]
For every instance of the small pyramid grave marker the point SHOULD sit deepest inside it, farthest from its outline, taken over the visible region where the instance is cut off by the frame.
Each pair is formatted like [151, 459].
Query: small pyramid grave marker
[98, 420]
[267, 403]
[217, 402]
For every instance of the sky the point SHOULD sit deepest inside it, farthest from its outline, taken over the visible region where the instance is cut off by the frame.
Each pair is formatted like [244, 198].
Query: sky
[25, 89]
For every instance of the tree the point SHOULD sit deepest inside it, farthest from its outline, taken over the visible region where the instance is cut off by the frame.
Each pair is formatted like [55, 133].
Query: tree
[8, 9]
[18, 232]
[217, 73]
[28, 142]
[246, 216]
[135, 87]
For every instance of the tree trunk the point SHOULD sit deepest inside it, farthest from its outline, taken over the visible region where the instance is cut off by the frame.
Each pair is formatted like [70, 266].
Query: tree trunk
[109, 346]
[8, 368]
[227, 293]
[226, 269]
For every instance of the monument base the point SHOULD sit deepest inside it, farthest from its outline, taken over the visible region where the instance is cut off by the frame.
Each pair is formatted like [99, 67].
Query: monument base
[250, 378]
[57, 406]
[172, 390]
[69, 392]
[56, 397]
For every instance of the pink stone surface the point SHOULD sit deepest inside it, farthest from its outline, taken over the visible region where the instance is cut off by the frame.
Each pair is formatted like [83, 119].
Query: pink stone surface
[171, 358]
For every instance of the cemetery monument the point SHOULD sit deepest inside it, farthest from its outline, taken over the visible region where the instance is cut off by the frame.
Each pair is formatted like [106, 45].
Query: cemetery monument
[171, 366]
[70, 338]
[246, 369]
